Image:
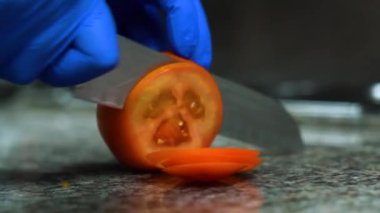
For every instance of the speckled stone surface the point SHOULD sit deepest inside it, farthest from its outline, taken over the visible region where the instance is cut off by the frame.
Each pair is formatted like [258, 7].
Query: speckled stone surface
[52, 159]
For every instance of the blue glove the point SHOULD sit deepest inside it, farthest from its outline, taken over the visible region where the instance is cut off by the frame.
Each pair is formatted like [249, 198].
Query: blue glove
[61, 42]
[176, 25]
[69, 42]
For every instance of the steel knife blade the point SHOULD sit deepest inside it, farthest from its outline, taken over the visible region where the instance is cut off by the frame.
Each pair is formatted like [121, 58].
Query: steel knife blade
[249, 116]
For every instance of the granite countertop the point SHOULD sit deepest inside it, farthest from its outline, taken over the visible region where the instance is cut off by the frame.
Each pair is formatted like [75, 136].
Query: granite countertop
[53, 159]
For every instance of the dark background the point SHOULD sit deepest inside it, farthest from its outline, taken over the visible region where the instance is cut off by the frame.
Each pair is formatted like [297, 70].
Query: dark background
[326, 49]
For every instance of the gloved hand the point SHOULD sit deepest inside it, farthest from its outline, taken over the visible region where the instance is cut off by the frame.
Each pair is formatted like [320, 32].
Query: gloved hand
[176, 25]
[62, 42]
[69, 42]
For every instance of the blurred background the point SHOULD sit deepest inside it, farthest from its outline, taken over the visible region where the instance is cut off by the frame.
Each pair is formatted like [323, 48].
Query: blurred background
[324, 50]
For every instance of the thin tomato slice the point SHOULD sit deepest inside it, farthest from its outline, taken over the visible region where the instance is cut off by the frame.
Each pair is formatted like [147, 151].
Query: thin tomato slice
[216, 159]
[205, 163]
[198, 155]
[205, 171]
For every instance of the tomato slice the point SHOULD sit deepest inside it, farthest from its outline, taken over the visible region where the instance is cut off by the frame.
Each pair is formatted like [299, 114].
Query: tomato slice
[207, 159]
[205, 163]
[177, 105]
[205, 171]
[171, 157]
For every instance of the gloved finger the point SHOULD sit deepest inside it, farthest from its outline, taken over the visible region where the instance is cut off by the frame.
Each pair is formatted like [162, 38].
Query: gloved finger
[140, 21]
[149, 30]
[182, 25]
[202, 53]
[29, 43]
[188, 30]
[93, 52]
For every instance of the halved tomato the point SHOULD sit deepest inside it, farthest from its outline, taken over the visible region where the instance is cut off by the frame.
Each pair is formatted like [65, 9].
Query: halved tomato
[177, 105]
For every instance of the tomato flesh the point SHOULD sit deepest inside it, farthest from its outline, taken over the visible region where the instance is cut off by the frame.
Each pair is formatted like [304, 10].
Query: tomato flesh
[172, 131]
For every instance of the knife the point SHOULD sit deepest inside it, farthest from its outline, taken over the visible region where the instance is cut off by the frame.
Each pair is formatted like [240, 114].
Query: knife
[249, 116]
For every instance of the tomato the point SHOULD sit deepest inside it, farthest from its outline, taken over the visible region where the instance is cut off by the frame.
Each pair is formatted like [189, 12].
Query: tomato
[177, 105]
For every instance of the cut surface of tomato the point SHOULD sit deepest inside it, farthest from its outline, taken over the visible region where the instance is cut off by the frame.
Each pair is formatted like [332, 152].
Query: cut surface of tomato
[177, 105]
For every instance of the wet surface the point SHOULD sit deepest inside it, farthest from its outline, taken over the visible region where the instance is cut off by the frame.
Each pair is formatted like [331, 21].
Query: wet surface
[53, 159]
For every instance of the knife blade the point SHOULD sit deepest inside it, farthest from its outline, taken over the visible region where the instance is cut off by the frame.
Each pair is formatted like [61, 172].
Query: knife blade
[249, 116]
[257, 119]
[112, 88]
